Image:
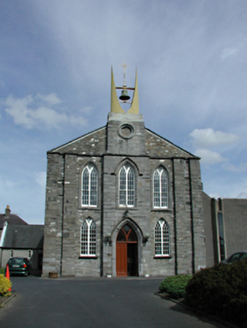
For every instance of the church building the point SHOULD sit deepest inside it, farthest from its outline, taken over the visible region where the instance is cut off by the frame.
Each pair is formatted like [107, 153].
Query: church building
[123, 201]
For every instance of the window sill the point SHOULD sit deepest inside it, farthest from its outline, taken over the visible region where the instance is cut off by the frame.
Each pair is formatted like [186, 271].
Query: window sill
[87, 257]
[162, 257]
[161, 209]
[82, 208]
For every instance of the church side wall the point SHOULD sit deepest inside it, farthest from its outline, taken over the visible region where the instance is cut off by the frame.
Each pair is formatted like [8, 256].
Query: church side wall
[197, 207]
[183, 216]
[53, 214]
[208, 229]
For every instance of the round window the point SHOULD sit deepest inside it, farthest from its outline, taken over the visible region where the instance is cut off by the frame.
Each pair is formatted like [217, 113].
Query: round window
[126, 131]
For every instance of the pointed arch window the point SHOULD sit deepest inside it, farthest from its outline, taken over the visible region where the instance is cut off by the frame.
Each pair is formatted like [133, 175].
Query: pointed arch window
[88, 238]
[89, 186]
[162, 239]
[160, 188]
[127, 186]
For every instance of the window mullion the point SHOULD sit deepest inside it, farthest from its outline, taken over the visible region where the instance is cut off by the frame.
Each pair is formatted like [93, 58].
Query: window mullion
[160, 189]
[88, 237]
[126, 186]
[162, 239]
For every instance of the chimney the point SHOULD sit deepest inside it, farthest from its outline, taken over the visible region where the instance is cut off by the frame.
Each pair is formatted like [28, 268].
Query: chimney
[7, 211]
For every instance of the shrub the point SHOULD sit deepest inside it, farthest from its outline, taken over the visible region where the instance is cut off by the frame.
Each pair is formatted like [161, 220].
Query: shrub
[2, 270]
[221, 291]
[175, 286]
[5, 285]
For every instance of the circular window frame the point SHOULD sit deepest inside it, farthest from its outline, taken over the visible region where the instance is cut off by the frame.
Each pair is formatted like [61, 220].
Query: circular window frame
[130, 127]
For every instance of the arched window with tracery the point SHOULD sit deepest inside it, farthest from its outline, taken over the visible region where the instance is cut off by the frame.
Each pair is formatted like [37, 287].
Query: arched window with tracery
[89, 181]
[162, 238]
[127, 186]
[88, 238]
[160, 188]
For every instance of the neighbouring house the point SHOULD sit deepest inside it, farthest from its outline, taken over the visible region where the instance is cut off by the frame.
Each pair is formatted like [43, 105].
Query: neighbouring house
[10, 218]
[225, 224]
[19, 239]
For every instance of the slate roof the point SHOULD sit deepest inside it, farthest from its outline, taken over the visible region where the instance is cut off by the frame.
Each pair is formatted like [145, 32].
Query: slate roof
[11, 219]
[24, 236]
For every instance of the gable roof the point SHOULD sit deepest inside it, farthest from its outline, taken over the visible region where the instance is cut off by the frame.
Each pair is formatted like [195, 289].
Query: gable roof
[24, 236]
[94, 144]
[157, 146]
[69, 146]
[11, 219]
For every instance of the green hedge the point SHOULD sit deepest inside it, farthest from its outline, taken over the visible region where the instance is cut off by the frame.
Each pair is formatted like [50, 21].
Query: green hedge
[220, 291]
[175, 286]
[2, 270]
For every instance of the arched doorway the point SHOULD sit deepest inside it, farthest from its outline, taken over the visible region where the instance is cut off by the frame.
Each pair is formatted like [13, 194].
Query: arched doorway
[126, 252]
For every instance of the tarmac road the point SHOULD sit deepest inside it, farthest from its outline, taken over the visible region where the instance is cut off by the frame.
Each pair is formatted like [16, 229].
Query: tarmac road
[94, 302]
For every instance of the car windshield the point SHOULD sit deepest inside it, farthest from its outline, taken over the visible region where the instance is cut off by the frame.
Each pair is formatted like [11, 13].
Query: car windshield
[16, 261]
[234, 257]
[244, 256]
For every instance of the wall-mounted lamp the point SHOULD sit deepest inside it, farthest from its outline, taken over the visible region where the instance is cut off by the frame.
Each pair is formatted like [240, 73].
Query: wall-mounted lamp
[145, 238]
[108, 238]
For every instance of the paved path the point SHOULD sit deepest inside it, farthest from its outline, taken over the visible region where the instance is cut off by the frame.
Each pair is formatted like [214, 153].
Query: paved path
[101, 302]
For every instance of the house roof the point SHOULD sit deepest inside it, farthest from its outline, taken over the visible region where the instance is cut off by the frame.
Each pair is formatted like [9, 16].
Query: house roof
[11, 219]
[24, 236]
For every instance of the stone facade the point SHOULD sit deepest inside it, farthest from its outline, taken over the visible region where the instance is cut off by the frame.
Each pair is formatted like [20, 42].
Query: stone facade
[124, 140]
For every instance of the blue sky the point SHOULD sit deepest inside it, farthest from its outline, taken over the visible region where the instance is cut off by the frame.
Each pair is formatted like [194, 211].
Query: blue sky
[55, 64]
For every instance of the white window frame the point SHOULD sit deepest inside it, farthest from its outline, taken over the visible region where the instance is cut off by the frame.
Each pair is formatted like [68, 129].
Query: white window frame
[162, 238]
[89, 238]
[90, 169]
[162, 192]
[127, 193]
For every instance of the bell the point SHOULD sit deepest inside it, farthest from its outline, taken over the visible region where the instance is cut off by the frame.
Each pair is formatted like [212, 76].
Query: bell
[124, 95]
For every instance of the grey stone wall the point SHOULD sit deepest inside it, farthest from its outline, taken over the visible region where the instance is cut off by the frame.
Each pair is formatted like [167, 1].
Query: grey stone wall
[108, 149]
[208, 228]
[197, 207]
[53, 214]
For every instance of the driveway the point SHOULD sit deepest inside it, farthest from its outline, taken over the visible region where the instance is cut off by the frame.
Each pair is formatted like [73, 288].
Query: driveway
[99, 302]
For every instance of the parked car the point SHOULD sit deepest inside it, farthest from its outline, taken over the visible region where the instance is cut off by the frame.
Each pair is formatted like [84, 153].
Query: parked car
[19, 265]
[238, 256]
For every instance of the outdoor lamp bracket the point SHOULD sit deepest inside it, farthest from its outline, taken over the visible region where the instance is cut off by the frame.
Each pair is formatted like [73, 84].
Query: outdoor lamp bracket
[145, 238]
[108, 238]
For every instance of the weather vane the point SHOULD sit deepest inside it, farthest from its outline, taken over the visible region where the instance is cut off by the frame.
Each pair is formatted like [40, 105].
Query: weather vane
[124, 94]
[124, 65]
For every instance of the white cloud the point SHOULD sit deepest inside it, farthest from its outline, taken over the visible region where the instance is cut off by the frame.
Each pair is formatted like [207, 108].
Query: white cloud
[228, 52]
[29, 113]
[207, 138]
[6, 184]
[209, 157]
[41, 179]
[86, 110]
[51, 99]
[233, 168]
[74, 120]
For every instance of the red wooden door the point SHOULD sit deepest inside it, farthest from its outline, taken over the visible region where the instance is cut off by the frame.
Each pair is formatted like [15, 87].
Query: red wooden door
[121, 259]
[126, 252]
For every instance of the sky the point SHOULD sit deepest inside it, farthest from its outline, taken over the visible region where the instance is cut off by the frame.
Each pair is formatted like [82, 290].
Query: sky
[55, 73]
